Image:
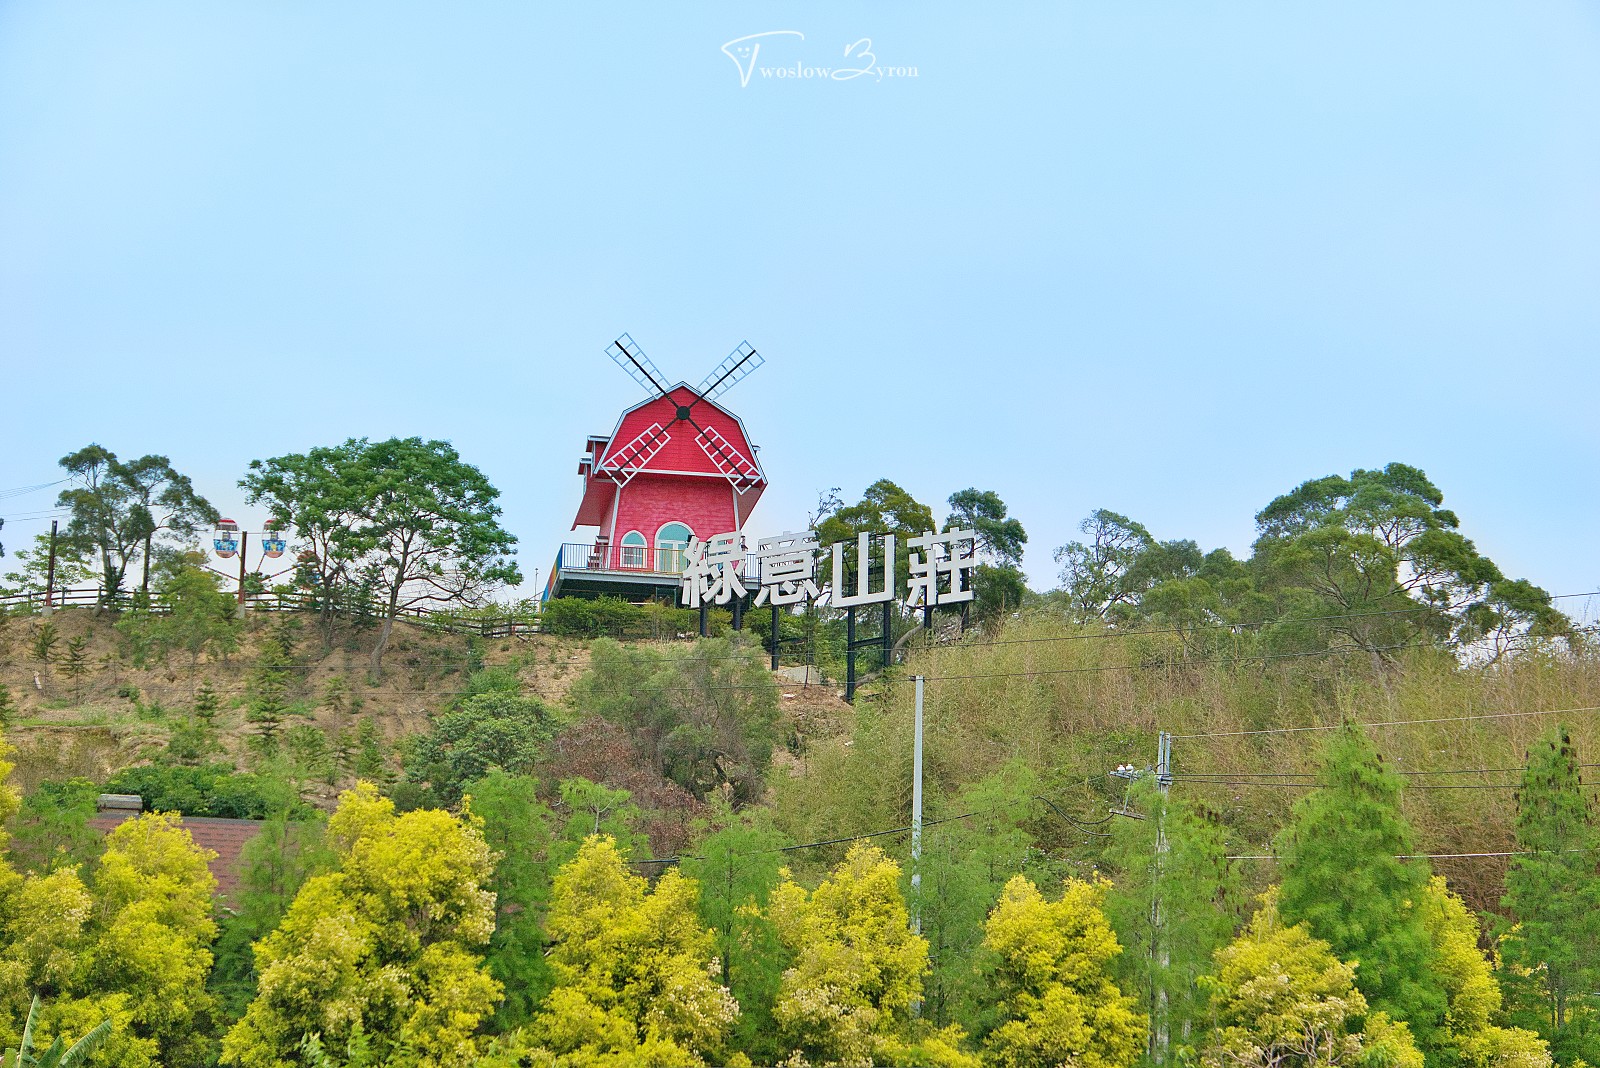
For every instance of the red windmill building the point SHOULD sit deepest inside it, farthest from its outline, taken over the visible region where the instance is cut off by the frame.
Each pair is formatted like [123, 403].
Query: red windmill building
[678, 465]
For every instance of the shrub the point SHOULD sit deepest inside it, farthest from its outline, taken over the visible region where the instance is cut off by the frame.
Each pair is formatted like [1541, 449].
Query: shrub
[210, 790]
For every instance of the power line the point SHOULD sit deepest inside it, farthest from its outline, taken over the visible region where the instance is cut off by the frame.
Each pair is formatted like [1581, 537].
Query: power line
[18, 491]
[1433, 856]
[900, 830]
[1395, 722]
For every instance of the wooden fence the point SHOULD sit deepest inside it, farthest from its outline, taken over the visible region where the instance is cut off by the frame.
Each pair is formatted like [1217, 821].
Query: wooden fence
[29, 602]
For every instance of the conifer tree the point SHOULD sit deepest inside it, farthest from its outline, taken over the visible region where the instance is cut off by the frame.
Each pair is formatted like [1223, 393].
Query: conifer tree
[76, 665]
[268, 687]
[737, 867]
[8, 707]
[369, 762]
[1553, 895]
[1173, 909]
[516, 826]
[1342, 879]
[206, 705]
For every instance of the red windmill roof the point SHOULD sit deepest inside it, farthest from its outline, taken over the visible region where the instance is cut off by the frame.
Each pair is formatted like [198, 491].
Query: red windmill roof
[650, 437]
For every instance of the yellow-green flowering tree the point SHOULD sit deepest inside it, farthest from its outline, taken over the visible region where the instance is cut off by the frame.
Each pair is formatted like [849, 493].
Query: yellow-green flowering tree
[1057, 1000]
[856, 968]
[635, 970]
[389, 944]
[136, 951]
[1281, 999]
[1472, 996]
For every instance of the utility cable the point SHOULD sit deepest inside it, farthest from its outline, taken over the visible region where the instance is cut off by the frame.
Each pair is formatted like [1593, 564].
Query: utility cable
[1393, 722]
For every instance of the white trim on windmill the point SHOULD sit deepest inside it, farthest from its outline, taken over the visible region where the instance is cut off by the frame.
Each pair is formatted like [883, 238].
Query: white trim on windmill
[622, 463]
[733, 464]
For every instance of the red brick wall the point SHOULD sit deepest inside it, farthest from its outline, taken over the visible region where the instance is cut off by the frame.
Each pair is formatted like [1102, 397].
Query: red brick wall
[651, 501]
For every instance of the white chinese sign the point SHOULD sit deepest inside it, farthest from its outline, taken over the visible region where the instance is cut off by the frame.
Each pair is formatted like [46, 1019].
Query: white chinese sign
[941, 567]
[711, 570]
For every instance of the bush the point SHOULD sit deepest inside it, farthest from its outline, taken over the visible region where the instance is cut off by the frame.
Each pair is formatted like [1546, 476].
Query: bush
[612, 617]
[211, 790]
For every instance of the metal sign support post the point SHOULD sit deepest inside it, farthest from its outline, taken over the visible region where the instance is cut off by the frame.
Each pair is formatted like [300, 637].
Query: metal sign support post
[703, 622]
[850, 654]
[775, 638]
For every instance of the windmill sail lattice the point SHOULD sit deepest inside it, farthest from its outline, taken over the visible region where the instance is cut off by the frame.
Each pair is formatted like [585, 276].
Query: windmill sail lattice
[733, 464]
[627, 354]
[629, 460]
[730, 372]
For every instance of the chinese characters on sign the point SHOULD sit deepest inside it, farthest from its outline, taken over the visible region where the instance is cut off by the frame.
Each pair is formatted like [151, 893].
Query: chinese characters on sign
[941, 570]
[711, 570]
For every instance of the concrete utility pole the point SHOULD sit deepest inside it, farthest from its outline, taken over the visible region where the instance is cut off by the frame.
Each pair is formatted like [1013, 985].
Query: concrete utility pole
[916, 813]
[1160, 1031]
[1160, 1039]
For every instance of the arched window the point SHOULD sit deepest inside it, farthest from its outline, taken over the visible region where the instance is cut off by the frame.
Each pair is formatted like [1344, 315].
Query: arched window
[633, 547]
[671, 542]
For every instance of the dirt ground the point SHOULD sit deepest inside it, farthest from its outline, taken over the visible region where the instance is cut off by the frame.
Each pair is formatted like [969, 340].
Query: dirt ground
[114, 714]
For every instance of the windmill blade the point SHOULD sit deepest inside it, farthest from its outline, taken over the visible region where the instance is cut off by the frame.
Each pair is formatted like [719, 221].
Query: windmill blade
[734, 465]
[730, 372]
[629, 460]
[626, 354]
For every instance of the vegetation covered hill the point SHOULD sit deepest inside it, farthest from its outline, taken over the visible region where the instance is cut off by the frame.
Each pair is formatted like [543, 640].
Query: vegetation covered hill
[1374, 846]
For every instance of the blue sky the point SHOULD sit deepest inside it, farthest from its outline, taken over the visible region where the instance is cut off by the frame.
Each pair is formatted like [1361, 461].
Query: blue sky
[1169, 258]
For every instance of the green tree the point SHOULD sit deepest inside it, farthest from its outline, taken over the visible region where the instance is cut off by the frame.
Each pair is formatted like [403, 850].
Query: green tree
[274, 864]
[1282, 999]
[197, 618]
[592, 809]
[1552, 940]
[633, 967]
[1342, 879]
[1000, 539]
[1470, 1036]
[8, 707]
[998, 581]
[370, 763]
[708, 716]
[1095, 572]
[51, 828]
[119, 507]
[965, 865]
[76, 665]
[885, 508]
[1378, 549]
[72, 567]
[207, 704]
[487, 730]
[43, 645]
[1058, 1002]
[736, 868]
[517, 827]
[1173, 908]
[856, 968]
[423, 523]
[389, 941]
[267, 691]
